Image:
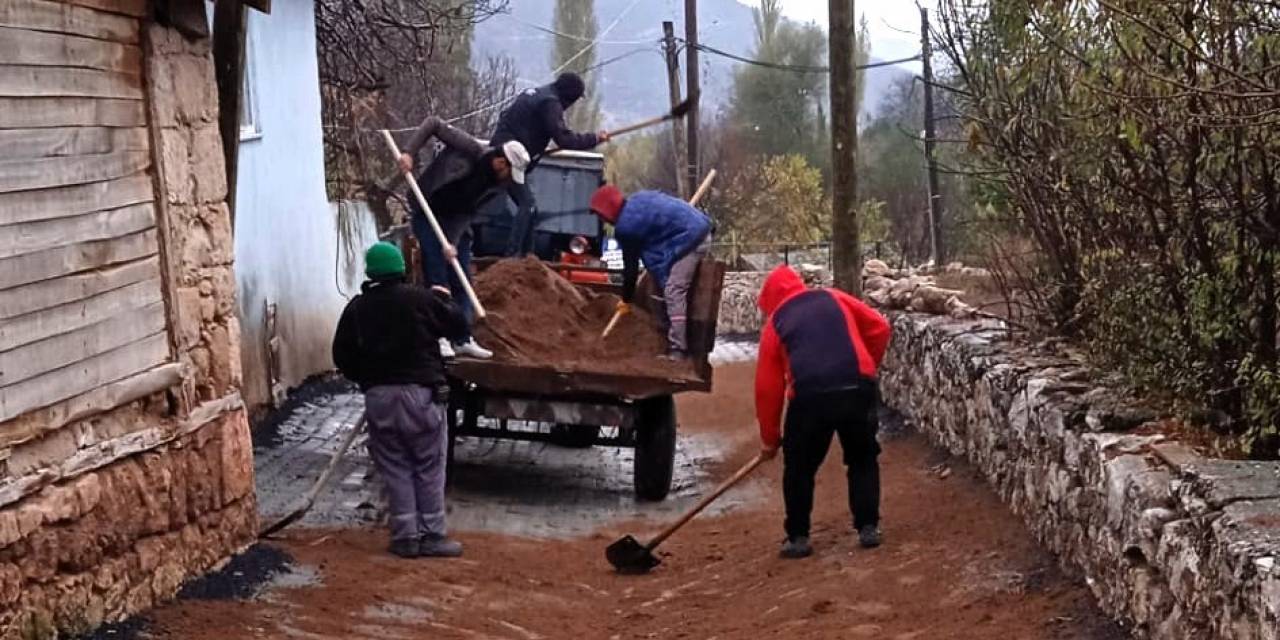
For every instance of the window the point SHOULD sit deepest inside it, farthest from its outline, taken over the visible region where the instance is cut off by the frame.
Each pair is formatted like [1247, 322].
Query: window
[250, 125]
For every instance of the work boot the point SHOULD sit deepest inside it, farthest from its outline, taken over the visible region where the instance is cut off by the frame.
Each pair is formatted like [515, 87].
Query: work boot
[797, 547]
[432, 545]
[405, 548]
[869, 536]
[676, 355]
[470, 349]
[446, 349]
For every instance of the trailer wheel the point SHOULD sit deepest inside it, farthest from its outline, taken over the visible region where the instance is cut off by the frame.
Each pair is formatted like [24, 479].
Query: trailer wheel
[655, 448]
[574, 436]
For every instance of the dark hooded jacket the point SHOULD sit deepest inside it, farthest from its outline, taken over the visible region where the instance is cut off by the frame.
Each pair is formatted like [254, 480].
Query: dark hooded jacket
[390, 334]
[814, 341]
[536, 118]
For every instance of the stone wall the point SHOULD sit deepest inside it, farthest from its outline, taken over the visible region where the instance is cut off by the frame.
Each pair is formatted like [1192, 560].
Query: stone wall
[106, 511]
[1176, 545]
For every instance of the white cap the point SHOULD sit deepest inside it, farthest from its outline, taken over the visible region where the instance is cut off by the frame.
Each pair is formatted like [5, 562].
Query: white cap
[518, 156]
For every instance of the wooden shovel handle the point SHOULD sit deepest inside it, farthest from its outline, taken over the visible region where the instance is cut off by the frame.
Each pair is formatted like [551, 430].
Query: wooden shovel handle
[703, 188]
[613, 322]
[724, 486]
[435, 228]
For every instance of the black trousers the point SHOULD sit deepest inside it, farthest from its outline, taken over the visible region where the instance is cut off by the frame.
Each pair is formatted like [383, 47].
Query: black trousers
[520, 242]
[811, 422]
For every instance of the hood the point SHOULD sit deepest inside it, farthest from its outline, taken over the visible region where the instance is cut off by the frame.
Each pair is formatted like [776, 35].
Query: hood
[781, 284]
[607, 203]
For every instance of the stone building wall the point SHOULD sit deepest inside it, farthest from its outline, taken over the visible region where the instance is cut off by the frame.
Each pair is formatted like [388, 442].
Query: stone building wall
[108, 514]
[1176, 545]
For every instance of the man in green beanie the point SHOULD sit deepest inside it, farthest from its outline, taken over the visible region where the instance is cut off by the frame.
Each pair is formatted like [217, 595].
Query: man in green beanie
[387, 342]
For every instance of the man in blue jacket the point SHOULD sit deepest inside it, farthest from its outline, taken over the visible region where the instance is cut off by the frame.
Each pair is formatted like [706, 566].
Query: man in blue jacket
[671, 236]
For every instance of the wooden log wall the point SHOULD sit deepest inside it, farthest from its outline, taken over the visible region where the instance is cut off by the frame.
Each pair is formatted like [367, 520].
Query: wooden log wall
[82, 308]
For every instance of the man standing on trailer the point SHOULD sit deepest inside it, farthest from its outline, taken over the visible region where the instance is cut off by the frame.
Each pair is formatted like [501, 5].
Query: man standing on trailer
[672, 237]
[820, 348]
[536, 119]
[457, 183]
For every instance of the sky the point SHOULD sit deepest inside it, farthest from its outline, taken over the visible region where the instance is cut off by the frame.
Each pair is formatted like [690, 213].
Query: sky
[884, 20]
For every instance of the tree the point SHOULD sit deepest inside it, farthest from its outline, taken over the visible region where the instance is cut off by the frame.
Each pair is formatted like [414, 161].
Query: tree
[1134, 145]
[773, 199]
[575, 22]
[390, 63]
[777, 111]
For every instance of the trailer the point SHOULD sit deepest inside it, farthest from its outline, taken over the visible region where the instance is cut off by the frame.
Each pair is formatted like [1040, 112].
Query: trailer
[494, 399]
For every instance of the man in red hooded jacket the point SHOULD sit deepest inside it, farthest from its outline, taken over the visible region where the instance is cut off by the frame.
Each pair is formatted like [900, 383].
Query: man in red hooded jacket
[820, 349]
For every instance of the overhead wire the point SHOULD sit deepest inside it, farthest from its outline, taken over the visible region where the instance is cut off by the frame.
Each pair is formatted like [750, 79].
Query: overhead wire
[501, 103]
[791, 67]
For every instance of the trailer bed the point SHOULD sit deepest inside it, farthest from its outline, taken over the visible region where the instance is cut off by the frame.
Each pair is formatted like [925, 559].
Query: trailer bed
[528, 380]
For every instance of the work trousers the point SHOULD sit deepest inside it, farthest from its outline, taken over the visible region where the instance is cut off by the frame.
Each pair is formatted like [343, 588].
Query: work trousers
[675, 295]
[436, 270]
[811, 421]
[408, 440]
[520, 243]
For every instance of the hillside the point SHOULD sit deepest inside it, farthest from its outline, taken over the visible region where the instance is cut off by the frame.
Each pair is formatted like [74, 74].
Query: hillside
[636, 86]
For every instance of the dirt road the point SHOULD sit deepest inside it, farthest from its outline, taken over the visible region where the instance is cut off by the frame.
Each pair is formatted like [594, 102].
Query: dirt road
[955, 564]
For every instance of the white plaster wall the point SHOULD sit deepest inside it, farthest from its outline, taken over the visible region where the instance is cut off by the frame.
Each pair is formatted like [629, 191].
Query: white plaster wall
[286, 239]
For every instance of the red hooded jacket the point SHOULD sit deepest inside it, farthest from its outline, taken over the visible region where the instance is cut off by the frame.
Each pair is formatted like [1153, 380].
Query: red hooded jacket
[814, 341]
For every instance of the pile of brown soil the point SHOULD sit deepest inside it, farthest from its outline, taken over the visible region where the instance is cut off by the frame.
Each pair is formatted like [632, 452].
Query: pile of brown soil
[538, 318]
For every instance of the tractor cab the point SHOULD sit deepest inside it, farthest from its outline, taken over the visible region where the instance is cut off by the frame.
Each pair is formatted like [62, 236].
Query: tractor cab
[562, 186]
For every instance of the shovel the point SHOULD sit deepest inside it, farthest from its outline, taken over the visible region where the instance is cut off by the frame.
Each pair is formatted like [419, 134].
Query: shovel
[627, 555]
[678, 111]
[309, 499]
[702, 191]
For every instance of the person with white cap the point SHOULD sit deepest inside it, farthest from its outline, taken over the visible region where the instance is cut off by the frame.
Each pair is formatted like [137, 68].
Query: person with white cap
[457, 184]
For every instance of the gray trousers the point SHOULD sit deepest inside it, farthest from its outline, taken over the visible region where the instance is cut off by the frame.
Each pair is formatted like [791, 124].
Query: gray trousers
[675, 295]
[408, 440]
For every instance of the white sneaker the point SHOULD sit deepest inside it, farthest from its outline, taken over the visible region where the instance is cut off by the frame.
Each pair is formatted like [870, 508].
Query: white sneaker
[446, 349]
[470, 349]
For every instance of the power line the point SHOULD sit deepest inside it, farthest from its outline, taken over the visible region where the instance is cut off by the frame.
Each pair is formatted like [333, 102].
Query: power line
[795, 67]
[570, 36]
[509, 99]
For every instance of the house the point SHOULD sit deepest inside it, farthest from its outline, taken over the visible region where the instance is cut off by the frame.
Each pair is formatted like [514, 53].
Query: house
[294, 269]
[125, 458]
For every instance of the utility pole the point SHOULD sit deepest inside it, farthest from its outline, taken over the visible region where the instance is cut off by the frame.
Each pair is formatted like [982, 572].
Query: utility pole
[677, 125]
[846, 253]
[936, 247]
[693, 91]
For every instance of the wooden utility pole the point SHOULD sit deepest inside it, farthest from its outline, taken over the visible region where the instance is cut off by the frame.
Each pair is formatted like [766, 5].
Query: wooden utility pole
[846, 252]
[693, 91]
[677, 125]
[936, 247]
[229, 23]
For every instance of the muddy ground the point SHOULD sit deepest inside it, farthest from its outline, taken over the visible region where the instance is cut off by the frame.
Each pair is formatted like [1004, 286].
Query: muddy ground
[956, 564]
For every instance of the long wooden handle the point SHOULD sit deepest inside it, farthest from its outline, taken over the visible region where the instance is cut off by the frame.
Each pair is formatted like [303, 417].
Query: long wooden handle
[613, 322]
[703, 188]
[435, 227]
[640, 125]
[724, 486]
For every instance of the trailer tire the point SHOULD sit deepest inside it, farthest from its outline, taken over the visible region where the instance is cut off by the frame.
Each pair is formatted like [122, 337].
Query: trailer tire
[655, 448]
[574, 436]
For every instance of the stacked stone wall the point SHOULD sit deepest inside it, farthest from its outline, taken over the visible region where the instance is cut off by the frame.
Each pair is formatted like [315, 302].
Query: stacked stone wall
[1176, 545]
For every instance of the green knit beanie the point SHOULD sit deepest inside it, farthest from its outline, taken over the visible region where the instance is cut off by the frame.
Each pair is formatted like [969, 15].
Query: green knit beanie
[383, 260]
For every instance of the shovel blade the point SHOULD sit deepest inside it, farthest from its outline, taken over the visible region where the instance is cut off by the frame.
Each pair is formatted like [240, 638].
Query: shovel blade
[627, 555]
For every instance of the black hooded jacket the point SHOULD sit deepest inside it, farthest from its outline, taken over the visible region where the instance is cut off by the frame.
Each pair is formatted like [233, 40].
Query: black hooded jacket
[535, 119]
[390, 334]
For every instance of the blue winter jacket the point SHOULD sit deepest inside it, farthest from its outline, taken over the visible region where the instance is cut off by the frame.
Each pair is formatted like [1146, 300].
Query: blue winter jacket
[659, 229]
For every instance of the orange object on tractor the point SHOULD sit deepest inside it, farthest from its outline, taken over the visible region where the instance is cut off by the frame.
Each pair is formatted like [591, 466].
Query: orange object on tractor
[577, 254]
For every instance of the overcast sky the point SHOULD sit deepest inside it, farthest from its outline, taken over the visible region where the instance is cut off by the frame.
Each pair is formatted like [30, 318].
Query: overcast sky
[884, 19]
